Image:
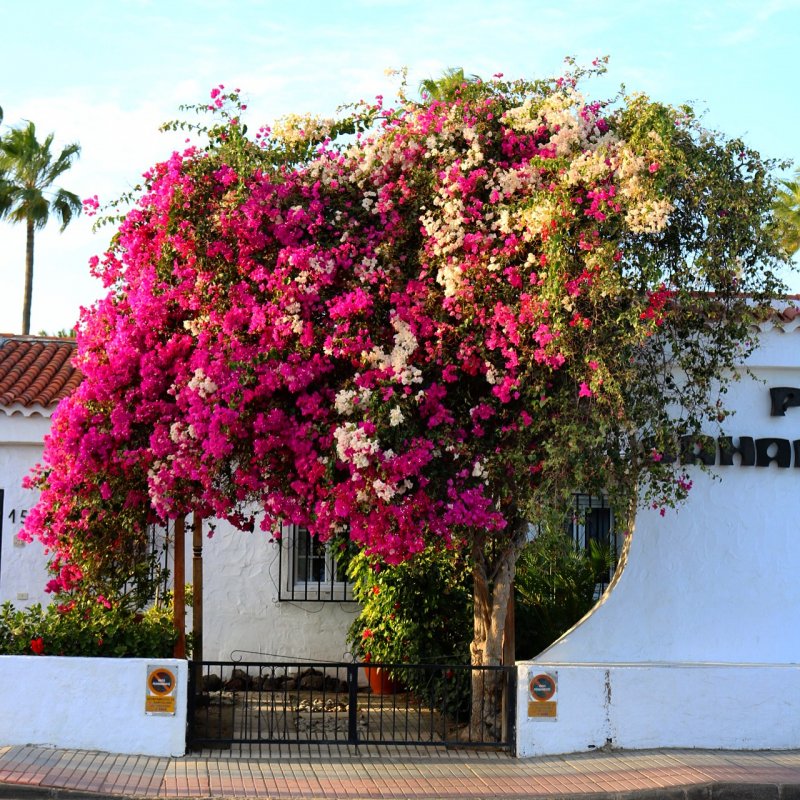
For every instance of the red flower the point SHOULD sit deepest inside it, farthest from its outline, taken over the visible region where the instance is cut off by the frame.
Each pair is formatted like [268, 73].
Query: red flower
[376, 590]
[37, 645]
[367, 634]
[368, 657]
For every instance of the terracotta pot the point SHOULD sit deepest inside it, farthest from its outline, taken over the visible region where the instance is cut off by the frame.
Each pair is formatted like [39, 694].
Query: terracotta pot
[380, 682]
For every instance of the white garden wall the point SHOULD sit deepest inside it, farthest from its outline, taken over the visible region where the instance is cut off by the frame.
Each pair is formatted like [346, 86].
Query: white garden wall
[22, 566]
[697, 645]
[89, 704]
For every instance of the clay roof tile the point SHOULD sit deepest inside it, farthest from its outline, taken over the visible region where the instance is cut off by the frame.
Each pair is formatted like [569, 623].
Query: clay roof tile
[36, 371]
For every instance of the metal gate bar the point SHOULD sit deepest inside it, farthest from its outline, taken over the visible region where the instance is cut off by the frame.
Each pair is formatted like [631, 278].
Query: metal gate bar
[349, 703]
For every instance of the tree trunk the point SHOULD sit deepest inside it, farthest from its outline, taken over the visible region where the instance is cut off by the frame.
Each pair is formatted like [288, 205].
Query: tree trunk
[28, 296]
[493, 579]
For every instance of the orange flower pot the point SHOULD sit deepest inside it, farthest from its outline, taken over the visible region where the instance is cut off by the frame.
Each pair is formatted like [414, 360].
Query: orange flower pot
[380, 682]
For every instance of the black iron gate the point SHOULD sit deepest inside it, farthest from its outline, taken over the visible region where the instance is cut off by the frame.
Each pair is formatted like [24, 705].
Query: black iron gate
[349, 703]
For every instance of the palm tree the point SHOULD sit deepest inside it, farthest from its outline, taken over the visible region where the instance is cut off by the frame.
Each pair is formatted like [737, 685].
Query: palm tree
[787, 210]
[445, 88]
[27, 174]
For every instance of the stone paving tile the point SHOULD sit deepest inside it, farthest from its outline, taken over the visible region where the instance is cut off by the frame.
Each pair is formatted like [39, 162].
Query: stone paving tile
[115, 774]
[66, 769]
[35, 766]
[335, 773]
[11, 760]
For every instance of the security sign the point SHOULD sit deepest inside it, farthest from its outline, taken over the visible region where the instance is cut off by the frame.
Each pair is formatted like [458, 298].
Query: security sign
[542, 688]
[161, 685]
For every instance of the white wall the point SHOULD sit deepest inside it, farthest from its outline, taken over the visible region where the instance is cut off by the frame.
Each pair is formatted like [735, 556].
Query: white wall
[89, 704]
[22, 566]
[652, 706]
[697, 645]
[242, 611]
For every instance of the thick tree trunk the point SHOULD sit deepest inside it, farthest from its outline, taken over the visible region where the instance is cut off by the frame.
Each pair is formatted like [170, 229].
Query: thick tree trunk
[493, 579]
[28, 296]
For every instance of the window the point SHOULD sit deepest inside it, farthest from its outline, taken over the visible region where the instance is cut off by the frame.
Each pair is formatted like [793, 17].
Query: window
[310, 569]
[591, 527]
[591, 520]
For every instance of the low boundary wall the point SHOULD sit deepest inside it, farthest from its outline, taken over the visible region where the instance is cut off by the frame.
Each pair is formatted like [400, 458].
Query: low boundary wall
[94, 704]
[643, 706]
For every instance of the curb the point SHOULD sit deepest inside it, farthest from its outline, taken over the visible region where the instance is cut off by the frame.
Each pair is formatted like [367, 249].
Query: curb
[16, 791]
[705, 791]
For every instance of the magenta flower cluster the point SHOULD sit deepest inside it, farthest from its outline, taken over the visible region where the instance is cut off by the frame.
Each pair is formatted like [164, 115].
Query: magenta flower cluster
[371, 341]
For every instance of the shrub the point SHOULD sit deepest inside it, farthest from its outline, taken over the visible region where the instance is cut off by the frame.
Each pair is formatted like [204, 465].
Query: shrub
[86, 629]
[417, 612]
[555, 586]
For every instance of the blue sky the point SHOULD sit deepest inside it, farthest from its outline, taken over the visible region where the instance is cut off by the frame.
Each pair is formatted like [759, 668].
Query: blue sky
[106, 74]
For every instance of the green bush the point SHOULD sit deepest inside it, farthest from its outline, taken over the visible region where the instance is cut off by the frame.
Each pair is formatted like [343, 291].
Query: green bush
[86, 629]
[555, 586]
[417, 612]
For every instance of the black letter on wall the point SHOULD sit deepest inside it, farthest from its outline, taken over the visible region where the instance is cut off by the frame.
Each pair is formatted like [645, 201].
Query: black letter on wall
[783, 397]
[783, 454]
[745, 449]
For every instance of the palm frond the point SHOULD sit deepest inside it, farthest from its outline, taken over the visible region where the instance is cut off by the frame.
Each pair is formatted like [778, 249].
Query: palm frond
[27, 194]
[65, 206]
[787, 213]
[446, 87]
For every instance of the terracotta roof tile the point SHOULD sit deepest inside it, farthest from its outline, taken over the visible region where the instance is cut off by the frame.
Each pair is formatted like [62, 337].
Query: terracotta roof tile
[36, 371]
[788, 314]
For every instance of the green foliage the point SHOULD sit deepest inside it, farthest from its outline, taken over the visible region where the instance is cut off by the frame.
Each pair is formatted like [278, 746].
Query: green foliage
[448, 87]
[28, 172]
[417, 612]
[61, 333]
[555, 586]
[88, 629]
[787, 213]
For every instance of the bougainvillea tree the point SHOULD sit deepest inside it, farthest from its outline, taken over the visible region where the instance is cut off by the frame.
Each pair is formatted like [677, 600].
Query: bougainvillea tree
[411, 325]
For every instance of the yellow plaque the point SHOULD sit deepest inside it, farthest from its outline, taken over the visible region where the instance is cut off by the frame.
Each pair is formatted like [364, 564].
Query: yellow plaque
[159, 705]
[539, 708]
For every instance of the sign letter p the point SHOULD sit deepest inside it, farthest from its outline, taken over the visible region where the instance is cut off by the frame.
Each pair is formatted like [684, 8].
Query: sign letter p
[783, 397]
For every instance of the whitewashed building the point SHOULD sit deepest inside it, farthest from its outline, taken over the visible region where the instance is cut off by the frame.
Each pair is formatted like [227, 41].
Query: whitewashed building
[697, 642]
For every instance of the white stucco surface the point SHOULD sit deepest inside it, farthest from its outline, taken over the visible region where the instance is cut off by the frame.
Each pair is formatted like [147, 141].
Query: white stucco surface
[22, 566]
[242, 615]
[89, 704]
[651, 705]
[697, 645]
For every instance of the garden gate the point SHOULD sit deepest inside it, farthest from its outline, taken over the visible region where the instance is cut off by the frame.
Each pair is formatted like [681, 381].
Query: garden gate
[346, 703]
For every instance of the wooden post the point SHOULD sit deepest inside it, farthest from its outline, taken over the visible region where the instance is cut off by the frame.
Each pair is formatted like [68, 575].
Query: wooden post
[179, 586]
[510, 631]
[197, 594]
[509, 659]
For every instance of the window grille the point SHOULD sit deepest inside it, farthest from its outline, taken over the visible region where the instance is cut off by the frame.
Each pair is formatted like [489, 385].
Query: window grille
[311, 570]
[592, 521]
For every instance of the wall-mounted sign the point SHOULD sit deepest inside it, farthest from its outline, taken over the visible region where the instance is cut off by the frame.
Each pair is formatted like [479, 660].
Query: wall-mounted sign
[160, 695]
[542, 691]
[783, 397]
[723, 451]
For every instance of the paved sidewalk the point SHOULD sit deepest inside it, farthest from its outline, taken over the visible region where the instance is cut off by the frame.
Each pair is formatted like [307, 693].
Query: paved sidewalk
[324, 772]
